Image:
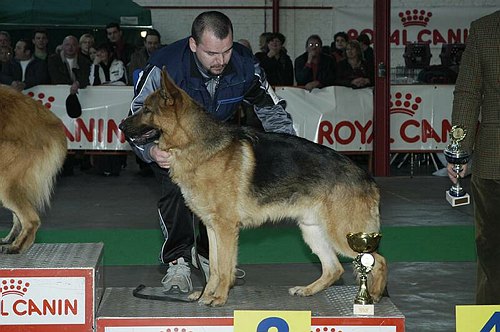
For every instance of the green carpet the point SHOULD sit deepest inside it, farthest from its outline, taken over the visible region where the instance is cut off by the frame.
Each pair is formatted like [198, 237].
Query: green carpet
[274, 244]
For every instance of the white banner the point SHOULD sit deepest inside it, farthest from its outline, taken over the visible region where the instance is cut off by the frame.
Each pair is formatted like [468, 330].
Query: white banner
[424, 24]
[342, 118]
[339, 117]
[103, 108]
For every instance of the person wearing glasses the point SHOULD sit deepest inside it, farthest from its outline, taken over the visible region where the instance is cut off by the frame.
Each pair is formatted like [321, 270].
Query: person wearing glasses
[220, 75]
[314, 69]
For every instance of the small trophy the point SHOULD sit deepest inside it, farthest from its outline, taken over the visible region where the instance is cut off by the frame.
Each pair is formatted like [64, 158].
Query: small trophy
[454, 154]
[364, 244]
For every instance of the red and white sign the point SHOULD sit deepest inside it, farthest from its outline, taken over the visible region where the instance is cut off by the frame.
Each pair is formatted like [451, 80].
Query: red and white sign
[339, 117]
[342, 118]
[47, 300]
[436, 25]
[319, 324]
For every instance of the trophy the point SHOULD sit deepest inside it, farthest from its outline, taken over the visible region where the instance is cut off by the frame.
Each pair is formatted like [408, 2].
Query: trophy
[364, 244]
[454, 154]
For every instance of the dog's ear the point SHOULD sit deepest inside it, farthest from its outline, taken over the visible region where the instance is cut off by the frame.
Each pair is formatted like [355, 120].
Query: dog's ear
[166, 87]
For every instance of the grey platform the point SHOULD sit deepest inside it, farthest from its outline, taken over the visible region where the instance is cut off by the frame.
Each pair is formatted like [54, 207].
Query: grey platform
[425, 292]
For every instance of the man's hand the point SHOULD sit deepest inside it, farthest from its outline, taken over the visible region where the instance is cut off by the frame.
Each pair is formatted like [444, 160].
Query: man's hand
[453, 175]
[162, 158]
[74, 87]
[312, 85]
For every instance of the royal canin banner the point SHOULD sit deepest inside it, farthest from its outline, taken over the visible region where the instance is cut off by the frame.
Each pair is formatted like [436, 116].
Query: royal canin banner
[339, 117]
[342, 118]
[413, 23]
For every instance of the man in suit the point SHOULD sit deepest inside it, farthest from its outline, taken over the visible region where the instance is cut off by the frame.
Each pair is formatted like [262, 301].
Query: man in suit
[477, 92]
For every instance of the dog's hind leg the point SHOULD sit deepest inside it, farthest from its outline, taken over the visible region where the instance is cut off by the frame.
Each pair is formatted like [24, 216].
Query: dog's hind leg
[315, 236]
[223, 240]
[14, 231]
[29, 222]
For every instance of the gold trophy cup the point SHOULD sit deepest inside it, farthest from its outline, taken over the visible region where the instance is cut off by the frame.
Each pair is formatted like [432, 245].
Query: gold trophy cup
[454, 154]
[364, 244]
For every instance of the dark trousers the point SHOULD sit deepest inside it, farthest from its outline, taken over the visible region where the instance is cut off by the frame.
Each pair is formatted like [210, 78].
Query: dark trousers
[176, 221]
[486, 194]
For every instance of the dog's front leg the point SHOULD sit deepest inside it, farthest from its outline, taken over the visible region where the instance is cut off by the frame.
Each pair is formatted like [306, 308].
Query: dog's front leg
[14, 232]
[223, 240]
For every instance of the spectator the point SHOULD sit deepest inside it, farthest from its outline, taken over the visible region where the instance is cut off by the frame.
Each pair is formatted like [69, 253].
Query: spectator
[5, 55]
[140, 58]
[338, 46]
[245, 43]
[106, 70]
[24, 71]
[5, 39]
[263, 41]
[41, 40]
[68, 67]
[86, 42]
[276, 63]
[476, 106]
[354, 71]
[368, 55]
[314, 69]
[122, 50]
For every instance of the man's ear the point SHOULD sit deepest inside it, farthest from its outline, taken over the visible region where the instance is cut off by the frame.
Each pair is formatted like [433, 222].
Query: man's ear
[192, 44]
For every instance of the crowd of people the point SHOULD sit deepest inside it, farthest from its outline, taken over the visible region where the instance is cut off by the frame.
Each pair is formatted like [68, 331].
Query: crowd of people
[76, 61]
[79, 62]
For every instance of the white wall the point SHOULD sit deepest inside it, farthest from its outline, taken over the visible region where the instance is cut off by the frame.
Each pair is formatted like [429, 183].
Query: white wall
[173, 18]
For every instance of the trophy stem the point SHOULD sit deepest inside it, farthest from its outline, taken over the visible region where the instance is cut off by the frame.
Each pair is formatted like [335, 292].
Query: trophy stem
[363, 297]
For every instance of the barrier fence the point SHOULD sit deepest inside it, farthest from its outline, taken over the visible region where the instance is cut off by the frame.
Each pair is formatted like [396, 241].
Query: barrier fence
[338, 117]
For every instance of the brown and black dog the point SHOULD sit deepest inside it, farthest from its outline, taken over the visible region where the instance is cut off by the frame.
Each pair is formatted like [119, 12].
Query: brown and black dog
[234, 177]
[32, 151]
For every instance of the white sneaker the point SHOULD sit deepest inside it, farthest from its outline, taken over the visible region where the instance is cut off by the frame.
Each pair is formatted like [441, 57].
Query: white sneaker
[204, 263]
[178, 277]
[240, 273]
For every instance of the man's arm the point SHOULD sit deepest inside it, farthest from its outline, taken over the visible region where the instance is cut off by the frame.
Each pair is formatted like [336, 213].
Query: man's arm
[149, 81]
[270, 108]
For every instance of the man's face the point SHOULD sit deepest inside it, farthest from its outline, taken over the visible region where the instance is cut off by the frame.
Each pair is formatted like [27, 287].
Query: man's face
[40, 40]
[70, 47]
[4, 40]
[114, 35]
[152, 43]
[313, 46]
[20, 52]
[213, 53]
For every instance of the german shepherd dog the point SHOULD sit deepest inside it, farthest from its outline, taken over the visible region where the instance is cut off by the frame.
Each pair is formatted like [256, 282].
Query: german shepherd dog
[32, 150]
[235, 177]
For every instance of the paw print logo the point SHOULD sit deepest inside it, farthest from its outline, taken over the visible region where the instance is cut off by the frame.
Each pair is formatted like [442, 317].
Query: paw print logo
[326, 329]
[415, 17]
[14, 287]
[406, 104]
[43, 99]
[176, 329]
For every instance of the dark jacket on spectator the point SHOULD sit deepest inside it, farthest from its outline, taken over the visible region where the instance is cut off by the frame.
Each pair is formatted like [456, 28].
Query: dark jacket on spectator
[59, 71]
[278, 71]
[36, 73]
[326, 70]
[345, 73]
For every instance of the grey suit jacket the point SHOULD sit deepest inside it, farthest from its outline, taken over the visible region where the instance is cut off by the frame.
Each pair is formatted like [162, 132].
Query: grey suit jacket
[477, 96]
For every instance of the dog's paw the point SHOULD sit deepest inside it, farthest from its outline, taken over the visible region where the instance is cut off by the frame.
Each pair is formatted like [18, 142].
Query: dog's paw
[213, 301]
[300, 291]
[194, 296]
[8, 249]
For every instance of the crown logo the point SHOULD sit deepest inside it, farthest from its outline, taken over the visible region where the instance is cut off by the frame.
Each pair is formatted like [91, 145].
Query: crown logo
[404, 104]
[40, 98]
[415, 17]
[14, 287]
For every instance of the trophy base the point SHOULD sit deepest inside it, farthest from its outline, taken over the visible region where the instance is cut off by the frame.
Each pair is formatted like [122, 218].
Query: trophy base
[364, 309]
[457, 201]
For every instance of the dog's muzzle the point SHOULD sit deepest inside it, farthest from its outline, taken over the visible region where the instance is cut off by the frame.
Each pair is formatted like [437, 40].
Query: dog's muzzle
[139, 136]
